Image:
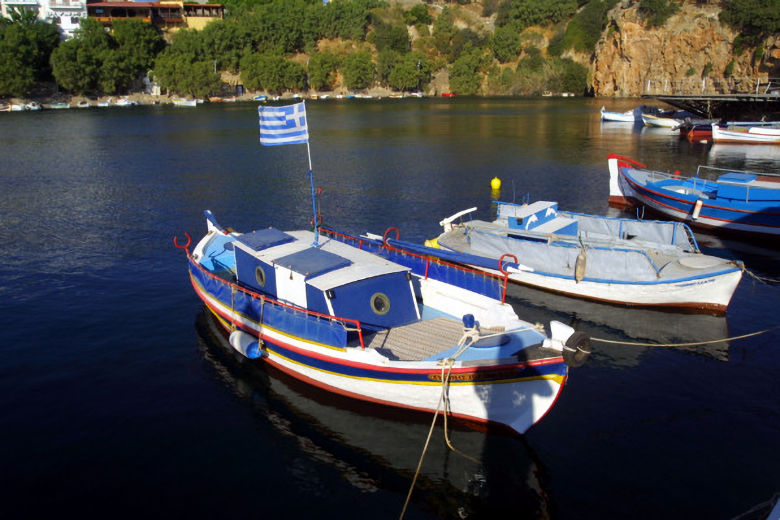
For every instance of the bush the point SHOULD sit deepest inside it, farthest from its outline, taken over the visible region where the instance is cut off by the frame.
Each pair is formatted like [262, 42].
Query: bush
[524, 13]
[505, 44]
[585, 29]
[656, 12]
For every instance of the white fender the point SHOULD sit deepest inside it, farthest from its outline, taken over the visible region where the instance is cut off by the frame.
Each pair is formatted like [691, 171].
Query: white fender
[559, 334]
[246, 344]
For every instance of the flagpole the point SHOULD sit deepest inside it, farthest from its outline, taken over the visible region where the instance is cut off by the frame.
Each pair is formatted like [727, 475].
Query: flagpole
[311, 182]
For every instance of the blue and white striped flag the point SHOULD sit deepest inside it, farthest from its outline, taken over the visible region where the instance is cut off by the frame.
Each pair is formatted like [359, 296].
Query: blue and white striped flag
[283, 125]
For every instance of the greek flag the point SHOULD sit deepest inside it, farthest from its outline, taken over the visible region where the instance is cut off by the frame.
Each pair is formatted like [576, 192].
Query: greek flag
[283, 125]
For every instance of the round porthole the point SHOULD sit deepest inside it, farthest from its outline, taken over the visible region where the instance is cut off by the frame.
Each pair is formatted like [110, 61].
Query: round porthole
[260, 276]
[380, 303]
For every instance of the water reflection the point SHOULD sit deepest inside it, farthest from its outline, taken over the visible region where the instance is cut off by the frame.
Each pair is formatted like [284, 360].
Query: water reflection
[624, 325]
[374, 447]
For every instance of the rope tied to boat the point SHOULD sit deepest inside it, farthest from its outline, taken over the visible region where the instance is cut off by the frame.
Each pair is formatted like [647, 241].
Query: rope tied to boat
[689, 344]
[763, 279]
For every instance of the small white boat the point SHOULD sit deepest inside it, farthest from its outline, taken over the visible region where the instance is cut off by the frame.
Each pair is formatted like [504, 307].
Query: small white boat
[620, 117]
[183, 102]
[59, 106]
[83, 104]
[747, 133]
[125, 102]
[32, 105]
[660, 121]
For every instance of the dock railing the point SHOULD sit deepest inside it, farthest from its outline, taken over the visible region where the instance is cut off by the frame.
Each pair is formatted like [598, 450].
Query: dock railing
[709, 85]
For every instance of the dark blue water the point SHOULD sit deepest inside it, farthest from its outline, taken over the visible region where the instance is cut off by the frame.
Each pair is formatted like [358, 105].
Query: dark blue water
[118, 398]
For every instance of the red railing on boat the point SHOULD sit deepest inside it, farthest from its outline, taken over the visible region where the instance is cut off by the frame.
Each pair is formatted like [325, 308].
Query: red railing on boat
[504, 278]
[263, 298]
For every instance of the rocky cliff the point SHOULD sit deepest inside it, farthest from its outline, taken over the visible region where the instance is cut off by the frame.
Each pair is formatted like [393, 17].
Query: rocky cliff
[691, 53]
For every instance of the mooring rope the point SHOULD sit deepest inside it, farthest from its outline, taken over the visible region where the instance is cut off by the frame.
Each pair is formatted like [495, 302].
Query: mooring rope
[444, 384]
[764, 279]
[690, 344]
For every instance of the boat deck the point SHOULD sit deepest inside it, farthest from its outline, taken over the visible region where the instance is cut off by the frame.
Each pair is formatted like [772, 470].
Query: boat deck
[417, 341]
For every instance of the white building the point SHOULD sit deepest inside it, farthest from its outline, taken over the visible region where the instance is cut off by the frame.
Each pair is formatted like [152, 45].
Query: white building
[64, 13]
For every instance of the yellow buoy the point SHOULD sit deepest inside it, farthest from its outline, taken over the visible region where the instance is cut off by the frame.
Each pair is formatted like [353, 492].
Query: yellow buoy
[495, 184]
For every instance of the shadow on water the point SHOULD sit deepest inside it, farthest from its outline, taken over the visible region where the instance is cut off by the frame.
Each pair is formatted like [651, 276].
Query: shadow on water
[375, 447]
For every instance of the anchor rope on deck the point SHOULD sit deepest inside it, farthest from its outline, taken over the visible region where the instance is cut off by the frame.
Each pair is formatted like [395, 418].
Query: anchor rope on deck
[689, 344]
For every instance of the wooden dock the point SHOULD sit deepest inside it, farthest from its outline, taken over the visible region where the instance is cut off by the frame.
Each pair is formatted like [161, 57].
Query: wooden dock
[728, 107]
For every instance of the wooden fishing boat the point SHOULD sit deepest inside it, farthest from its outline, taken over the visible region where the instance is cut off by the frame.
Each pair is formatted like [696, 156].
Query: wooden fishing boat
[661, 121]
[740, 201]
[357, 324]
[615, 260]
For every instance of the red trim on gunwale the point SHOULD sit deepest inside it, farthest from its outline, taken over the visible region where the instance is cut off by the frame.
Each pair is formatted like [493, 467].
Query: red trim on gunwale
[640, 188]
[360, 397]
[395, 370]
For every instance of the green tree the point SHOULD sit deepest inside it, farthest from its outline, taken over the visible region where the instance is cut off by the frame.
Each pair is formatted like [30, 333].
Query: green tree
[184, 68]
[323, 68]
[418, 14]
[139, 44]
[25, 46]
[410, 72]
[77, 63]
[525, 13]
[386, 62]
[585, 29]
[505, 44]
[388, 36]
[465, 77]
[358, 70]
[755, 19]
[656, 12]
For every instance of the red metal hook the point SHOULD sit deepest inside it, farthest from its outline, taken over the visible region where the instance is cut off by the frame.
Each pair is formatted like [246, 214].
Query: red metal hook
[397, 234]
[185, 246]
[501, 262]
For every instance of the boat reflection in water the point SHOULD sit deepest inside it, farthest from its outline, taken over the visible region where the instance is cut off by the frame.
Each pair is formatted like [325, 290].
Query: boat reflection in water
[624, 325]
[375, 447]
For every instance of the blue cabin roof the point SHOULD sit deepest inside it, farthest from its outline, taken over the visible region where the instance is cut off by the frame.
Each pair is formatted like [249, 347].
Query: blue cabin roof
[312, 262]
[265, 238]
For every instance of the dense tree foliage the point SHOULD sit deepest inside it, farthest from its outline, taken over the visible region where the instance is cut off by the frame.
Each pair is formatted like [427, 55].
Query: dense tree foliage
[184, 67]
[358, 70]
[465, 77]
[25, 46]
[656, 12]
[525, 13]
[505, 44]
[755, 19]
[410, 72]
[323, 68]
[584, 30]
[94, 61]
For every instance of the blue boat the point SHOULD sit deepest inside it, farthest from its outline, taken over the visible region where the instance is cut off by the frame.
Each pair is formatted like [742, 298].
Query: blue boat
[740, 201]
[355, 323]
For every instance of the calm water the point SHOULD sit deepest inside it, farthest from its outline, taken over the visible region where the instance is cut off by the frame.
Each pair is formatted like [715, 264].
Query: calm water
[117, 397]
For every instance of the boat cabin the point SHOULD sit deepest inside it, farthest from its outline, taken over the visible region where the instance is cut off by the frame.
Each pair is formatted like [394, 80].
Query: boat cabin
[330, 278]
